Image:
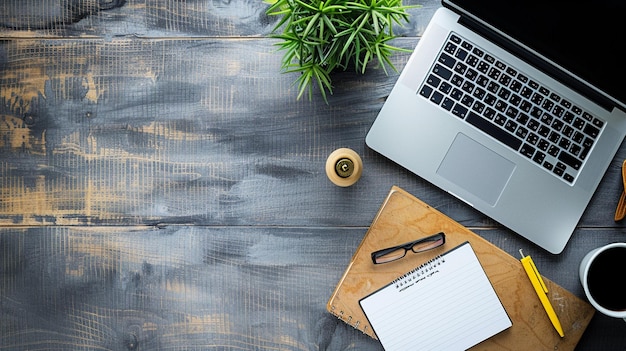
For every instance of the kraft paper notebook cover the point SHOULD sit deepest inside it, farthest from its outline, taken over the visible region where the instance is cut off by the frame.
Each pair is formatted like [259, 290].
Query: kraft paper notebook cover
[403, 218]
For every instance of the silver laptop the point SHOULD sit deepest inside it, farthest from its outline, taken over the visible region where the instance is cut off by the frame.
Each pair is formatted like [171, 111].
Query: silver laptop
[515, 107]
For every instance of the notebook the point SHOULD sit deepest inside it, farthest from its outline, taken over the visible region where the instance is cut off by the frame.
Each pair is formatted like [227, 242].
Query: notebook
[504, 105]
[446, 303]
[402, 218]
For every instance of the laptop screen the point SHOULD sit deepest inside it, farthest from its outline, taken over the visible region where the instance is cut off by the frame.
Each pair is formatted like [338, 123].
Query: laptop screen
[586, 39]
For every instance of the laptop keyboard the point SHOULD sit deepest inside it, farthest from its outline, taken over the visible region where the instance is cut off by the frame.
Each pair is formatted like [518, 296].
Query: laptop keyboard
[511, 107]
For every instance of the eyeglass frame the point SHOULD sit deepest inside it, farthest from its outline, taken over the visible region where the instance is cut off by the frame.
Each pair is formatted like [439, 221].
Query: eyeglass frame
[409, 246]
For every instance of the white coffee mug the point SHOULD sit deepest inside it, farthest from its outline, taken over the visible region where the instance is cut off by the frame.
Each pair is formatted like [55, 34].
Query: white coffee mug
[601, 272]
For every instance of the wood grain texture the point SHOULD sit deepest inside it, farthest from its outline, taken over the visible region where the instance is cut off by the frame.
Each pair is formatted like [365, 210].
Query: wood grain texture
[117, 131]
[155, 18]
[169, 288]
[161, 188]
[203, 288]
[136, 131]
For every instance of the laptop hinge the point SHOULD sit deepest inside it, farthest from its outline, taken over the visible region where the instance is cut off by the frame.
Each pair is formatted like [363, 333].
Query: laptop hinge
[538, 63]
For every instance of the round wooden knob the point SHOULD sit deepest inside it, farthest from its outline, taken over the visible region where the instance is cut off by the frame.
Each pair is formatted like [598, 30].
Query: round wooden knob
[344, 167]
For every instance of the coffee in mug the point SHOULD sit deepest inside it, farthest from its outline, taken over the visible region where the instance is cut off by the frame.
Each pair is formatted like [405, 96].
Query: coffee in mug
[601, 272]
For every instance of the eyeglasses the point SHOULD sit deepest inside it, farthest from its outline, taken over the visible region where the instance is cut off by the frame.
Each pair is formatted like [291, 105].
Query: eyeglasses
[397, 252]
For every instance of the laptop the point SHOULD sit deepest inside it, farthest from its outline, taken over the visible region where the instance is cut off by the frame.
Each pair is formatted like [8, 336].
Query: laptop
[515, 107]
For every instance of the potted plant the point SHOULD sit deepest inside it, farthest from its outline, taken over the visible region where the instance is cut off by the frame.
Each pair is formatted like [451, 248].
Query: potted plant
[321, 36]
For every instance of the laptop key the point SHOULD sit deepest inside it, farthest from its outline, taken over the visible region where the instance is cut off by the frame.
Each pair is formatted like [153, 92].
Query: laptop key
[510, 125]
[521, 132]
[447, 60]
[460, 68]
[539, 157]
[478, 107]
[570, 160]
[459, 111]
[436, 97]
[494, 73]
[553, 150]
[461, 54]
[516, 86]
[579, 123]
[447, 104]
[522, 78]
[584, 152]
[456, 94]
[500, 119]
[522, 118]
[533, 124]
[433, 80]
[426, 91]
[499, 134]
[598, 123]
[526, 92]
[532, 138]
[490, 99]
[558, 171]
[472, 60]
[527, 150]
[442, 72]
[468, 87]
[471, 74]
[566, 103]
[479, 93]
[511, 71]
[467, 100]
[457, 80]
[483, 67]
[450, 48]
[591, 131]
[578, 137]
[489, 113]
[577, 110]
[547, 165]
[445, 87]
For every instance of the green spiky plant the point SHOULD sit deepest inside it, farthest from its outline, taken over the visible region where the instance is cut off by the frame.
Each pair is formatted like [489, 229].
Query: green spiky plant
[321, 36]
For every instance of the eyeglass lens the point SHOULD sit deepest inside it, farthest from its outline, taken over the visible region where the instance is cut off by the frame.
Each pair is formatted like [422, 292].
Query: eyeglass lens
[391, 256]
[417, 247]
[427, 245]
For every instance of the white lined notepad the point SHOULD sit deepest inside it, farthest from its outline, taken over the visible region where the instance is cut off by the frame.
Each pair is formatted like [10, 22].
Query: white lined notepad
[447, 303]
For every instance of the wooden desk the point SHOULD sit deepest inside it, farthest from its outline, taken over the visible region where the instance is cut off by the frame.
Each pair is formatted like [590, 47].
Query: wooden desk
[161, 188]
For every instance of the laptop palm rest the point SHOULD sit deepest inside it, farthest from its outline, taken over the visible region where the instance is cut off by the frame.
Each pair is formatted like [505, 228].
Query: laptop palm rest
[476, 169]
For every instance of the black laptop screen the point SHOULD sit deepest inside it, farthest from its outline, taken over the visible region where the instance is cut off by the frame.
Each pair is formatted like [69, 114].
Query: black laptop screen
[586, 39]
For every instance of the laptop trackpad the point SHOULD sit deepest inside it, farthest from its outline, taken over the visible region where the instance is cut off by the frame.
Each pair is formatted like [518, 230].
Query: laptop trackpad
[476, 169]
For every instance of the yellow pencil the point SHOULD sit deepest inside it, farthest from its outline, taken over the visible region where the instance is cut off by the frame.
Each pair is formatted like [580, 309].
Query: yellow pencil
[541, 290]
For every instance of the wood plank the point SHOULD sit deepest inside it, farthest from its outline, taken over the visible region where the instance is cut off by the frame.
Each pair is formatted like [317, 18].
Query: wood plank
[191, 287]
[205, 287]
[194, 131]
[156, 18]
[117, 131]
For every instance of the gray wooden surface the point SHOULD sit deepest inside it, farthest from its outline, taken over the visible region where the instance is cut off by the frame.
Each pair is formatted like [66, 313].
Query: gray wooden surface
[162, 189]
